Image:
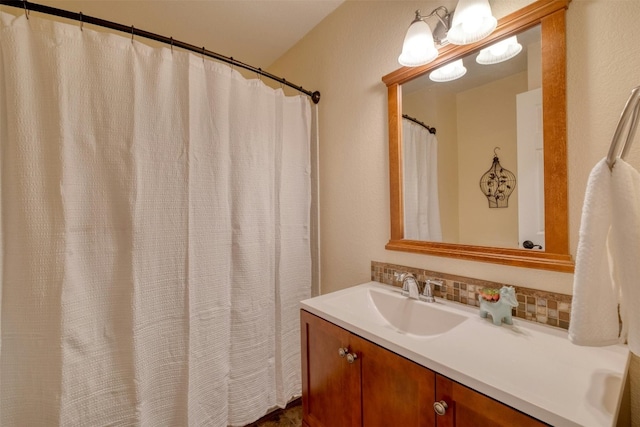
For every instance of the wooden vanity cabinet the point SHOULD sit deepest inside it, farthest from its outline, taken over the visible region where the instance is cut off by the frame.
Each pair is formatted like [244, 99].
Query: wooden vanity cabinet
[367, 385]
[467, 408]
[376, 388]
[331, 390]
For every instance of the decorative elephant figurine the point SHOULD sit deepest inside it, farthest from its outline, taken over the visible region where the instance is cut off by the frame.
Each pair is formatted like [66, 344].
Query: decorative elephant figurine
[501, 309]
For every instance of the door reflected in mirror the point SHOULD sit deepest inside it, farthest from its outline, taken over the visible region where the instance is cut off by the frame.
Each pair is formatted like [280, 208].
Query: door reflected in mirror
[491, 105]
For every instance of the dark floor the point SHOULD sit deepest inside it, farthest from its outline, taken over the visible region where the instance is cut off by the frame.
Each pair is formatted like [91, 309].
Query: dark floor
[291, 416]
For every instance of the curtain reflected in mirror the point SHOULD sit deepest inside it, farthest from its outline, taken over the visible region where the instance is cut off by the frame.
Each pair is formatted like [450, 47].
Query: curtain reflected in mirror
[420, 168]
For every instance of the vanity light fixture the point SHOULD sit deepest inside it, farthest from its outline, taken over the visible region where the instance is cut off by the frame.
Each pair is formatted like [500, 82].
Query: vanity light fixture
[419, 47]
[471, 21]
[499, 52]
[452, 71]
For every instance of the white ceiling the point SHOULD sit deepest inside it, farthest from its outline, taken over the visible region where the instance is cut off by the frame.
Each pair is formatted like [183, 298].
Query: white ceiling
[256, 32]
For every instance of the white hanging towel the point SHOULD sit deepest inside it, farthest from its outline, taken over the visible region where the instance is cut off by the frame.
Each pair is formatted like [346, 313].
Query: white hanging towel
[607, 274]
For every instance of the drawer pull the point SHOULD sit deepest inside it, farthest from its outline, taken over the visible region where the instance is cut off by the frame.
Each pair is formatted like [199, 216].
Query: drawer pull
[440, 407]
[343, 351]
[351, 357]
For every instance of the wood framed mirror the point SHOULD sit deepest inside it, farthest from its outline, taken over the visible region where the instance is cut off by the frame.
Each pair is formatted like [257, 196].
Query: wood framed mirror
[549, 16]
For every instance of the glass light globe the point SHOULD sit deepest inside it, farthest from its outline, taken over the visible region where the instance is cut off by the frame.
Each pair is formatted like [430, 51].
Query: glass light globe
[451, 71]
[499, 52]
[472, 21]
[418, 47]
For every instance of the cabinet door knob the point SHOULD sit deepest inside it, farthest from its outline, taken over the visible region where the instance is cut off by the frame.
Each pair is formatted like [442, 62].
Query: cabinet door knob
[440, 407]
[351, 357]
[343, 351]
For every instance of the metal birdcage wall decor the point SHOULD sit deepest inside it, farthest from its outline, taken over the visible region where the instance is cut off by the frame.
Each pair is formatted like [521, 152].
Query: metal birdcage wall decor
[497, 183]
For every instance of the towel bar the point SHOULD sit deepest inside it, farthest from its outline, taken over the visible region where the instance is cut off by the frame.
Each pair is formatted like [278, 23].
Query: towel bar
[631, 110]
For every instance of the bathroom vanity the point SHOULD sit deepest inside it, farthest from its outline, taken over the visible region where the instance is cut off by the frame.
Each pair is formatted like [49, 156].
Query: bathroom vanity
[372, 357]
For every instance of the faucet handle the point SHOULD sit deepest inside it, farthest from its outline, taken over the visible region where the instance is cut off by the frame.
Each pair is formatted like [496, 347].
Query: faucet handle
[427, 293]
[435, 282]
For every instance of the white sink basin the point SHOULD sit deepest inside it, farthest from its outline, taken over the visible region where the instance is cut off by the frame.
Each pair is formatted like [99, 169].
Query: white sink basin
[410, 316]
[387, 307]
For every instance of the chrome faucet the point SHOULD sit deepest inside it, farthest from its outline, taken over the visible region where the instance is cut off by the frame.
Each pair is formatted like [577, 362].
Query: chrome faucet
[409, 285]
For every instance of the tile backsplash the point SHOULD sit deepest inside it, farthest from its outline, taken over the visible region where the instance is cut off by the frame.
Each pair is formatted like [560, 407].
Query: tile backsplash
[538, 306]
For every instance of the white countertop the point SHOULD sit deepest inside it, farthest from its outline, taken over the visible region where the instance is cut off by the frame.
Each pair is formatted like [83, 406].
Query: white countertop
[531, 367]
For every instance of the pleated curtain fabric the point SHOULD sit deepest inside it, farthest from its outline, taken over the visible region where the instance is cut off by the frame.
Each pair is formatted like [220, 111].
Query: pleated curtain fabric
[420, 183]
[155, 233]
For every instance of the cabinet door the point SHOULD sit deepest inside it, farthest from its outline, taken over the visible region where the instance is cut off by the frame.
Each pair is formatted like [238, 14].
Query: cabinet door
[395, 390]
[330, 385]
[467, 408]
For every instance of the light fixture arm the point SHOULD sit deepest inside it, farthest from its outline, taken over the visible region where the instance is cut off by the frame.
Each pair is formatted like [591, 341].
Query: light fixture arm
[440, 12]
[446, 24]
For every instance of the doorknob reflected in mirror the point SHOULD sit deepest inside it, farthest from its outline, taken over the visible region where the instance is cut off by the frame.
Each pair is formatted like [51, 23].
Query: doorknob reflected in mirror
[528, 244]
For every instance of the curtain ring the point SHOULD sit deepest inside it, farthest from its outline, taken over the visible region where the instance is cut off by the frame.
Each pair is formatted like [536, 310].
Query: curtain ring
[202, 53]
[232, 64]
[26, 11]
[81, 22]
[171, 44]
[282, 82]
[132, 33]
[259, 73]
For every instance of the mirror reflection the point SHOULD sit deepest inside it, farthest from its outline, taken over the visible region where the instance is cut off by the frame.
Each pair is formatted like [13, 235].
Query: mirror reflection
[487, 122]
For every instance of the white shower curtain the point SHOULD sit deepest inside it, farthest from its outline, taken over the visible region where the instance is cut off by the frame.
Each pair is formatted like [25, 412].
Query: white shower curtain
[420, 182]
[155, 233]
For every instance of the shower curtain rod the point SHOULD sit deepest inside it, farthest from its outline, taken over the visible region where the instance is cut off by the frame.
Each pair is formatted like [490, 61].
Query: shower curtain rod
[80, 17]
[414, 120]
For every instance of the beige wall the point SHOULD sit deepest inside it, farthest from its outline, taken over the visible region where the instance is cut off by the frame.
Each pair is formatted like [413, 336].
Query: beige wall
[487, 119]
[345, 57]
